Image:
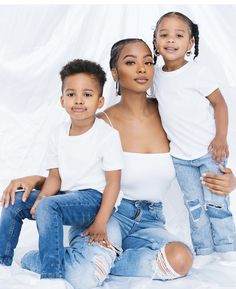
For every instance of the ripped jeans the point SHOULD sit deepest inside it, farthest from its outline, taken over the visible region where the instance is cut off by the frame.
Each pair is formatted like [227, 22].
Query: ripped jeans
[211, 222]
[137, 226]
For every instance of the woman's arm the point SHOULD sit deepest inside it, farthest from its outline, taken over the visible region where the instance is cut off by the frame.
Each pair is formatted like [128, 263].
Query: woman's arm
[27, 184]
[220, 184]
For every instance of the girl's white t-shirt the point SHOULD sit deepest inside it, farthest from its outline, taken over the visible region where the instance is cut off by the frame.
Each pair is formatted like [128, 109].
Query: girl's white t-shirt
[186, 113]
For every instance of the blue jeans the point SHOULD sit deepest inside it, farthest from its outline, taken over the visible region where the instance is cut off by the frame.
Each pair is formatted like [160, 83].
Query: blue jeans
[211, 222]
[72, 208]
[138, 224]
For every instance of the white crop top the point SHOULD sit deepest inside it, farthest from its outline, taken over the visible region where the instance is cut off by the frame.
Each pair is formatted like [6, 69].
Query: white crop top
[146, 176]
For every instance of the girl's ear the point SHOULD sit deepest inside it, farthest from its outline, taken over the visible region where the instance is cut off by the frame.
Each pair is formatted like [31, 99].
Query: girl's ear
[191, 43]
[62, 101]
[114, 74]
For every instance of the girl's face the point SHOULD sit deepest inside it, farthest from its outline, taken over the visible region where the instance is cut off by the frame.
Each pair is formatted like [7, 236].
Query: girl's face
[173, 38]
[134, 70]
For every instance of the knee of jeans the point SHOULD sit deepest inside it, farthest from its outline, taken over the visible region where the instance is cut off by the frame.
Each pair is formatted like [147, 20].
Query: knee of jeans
[217, 210]
[13, 210]
[45, 206]
[94, 267]
[195, 209]
[173, 261]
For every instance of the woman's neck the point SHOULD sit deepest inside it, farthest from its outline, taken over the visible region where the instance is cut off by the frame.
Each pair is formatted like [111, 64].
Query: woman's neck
[135, 105]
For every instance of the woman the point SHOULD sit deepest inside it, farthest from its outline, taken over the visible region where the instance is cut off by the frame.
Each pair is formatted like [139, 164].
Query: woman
[149, 249]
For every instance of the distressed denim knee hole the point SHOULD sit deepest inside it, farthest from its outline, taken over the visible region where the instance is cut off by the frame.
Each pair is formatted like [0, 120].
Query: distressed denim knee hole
[195, 209]
[217, 211]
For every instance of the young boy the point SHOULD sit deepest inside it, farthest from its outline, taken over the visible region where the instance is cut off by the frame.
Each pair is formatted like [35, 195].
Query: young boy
[84, 159]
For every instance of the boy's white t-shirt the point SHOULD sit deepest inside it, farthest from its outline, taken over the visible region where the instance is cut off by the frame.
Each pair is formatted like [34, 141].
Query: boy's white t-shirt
[186, 113]
[82, 159]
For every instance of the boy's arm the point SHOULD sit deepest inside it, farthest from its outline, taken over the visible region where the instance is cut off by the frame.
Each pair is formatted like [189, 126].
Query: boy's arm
[218, 145]
[51, 186]
[97, 230]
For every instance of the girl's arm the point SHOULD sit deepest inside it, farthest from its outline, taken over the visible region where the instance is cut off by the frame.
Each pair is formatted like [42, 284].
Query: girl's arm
[51, 186]
[97, 231]
[218, 145]
[26, 184]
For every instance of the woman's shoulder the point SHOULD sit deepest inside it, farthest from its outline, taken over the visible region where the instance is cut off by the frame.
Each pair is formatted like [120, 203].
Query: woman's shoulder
[109, 114]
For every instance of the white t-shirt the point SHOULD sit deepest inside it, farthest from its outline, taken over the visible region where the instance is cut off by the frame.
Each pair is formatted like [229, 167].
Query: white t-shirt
[186, 114]
[146, 176]
[82, 159]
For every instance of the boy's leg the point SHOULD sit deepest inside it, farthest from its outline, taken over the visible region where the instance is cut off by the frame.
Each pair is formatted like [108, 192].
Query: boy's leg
[217, 208]
[10, 225]
[188, 176]
[86, 266]
[73, 208]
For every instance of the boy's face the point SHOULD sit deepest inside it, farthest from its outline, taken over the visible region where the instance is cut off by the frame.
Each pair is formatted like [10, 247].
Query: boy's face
[81, 96]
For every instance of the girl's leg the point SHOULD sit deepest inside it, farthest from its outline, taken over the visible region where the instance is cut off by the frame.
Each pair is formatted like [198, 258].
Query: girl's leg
[188, 176]
[217, 208]
[74, 208]
[10, 225]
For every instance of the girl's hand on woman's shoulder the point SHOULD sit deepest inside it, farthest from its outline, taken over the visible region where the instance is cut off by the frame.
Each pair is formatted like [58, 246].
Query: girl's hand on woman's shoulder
[220, 184]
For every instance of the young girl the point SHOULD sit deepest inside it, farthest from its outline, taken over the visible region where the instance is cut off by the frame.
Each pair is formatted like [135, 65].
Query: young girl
[195, 118]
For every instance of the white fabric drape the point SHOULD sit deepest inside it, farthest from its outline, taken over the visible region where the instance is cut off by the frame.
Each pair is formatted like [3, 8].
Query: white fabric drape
[36, 41]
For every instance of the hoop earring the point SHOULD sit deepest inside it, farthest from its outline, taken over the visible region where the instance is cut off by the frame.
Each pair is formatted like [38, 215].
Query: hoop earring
[157, 53]
[188, 53]
[117, 88]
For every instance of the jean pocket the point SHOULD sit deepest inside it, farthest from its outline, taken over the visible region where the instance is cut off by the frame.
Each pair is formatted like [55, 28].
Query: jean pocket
[157, 213]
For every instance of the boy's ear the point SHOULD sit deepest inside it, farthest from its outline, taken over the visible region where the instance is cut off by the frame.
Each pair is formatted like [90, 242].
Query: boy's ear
[114, 74]
[62, 101]
[100, 101]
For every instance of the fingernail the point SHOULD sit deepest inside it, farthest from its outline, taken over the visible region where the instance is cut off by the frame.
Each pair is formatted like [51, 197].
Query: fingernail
[203, 182]
[23, 200]
[201, 178]
[204, 174]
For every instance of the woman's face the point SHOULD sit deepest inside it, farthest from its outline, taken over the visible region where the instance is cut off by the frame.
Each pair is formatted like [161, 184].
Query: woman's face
[134, 70]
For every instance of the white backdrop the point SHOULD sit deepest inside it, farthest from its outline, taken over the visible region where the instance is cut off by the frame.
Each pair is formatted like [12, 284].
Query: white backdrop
[36, 41]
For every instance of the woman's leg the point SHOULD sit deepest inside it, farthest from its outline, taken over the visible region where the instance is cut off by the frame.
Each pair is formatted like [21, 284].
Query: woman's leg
[155, 253]
[86, 266]
[10, 225]
[73, 208]
[149, 249]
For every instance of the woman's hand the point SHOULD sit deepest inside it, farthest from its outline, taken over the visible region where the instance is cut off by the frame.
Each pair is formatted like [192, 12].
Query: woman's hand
[220, 184]
[25, 184]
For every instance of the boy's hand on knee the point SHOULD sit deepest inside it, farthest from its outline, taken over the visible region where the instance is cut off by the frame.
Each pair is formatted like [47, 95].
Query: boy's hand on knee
[97, 233]
[33, 209]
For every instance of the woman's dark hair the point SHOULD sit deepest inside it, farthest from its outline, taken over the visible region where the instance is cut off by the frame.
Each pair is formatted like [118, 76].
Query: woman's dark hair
[192, 26]
[117, 48]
